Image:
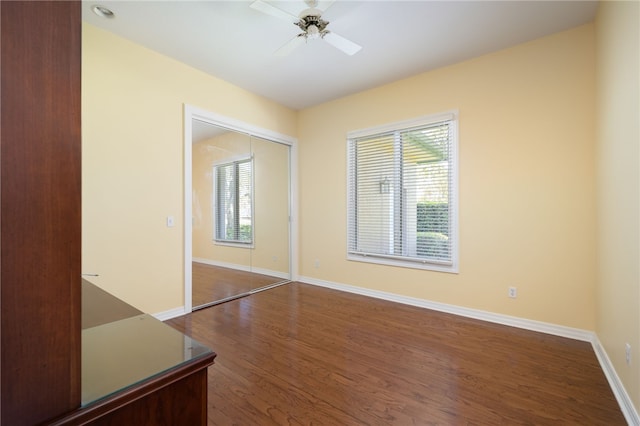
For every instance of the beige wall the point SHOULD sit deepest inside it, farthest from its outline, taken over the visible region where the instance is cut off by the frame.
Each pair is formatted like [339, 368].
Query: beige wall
[618, 165]
[526, 174]
[270, 251]
[527, 181]
[132, 131]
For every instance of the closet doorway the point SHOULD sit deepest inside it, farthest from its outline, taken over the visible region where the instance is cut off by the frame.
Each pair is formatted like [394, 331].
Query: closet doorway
[239, 198]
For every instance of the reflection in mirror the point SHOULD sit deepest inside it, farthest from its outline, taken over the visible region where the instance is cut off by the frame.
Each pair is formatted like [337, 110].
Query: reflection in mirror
[240, 208]
[270, 254]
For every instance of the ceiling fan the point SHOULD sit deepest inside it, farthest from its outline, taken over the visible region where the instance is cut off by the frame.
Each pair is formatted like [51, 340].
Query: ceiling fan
[312, 25]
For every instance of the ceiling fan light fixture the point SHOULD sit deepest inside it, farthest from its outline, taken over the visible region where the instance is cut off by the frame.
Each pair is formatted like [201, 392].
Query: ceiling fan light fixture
[312, 25]
[313, 32]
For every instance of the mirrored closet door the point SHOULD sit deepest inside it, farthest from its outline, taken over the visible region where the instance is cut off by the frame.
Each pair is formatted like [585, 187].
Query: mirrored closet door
[240, 214]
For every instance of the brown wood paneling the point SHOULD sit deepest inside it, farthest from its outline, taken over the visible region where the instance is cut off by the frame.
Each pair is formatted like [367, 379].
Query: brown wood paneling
[181, 403]
[40, 210]
[175, 398]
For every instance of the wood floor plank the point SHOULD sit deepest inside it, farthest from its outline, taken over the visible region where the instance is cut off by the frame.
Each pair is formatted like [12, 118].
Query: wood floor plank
[300, 355]
[212, 283]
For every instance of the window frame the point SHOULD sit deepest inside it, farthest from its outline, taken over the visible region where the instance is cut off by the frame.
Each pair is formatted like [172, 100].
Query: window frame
[397, 260]
[236, 161]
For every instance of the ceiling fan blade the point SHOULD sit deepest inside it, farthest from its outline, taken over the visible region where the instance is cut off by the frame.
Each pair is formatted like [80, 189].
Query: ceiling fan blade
[265, 7]
[347, 46]
[290, 45]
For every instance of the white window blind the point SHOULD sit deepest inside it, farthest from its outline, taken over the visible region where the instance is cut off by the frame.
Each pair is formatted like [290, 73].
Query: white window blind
[233, 198]
[402, 194]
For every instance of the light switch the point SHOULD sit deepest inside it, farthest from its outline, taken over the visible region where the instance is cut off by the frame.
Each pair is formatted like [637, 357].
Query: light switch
[170, 221]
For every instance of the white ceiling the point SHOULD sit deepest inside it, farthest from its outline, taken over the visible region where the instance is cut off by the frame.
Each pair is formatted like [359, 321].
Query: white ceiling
[233, 42]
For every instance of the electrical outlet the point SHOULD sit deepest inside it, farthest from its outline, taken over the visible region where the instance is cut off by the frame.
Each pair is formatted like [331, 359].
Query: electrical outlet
[513, 292]
[316, 263]
[627, 352]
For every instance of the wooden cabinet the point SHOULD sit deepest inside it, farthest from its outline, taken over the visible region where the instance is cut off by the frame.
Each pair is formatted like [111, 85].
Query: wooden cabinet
[40, 242]
[40, 210]
[137, 370]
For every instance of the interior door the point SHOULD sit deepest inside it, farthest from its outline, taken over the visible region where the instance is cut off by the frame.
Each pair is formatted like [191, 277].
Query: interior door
[240, 214]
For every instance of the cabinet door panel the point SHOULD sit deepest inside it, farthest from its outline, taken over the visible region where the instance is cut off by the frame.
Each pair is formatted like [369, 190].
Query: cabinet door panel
[40, 210]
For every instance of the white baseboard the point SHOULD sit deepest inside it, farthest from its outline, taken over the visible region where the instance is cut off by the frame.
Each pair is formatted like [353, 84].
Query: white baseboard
[245, 268]
[171, 313]
[619, 391]
[542, 327]
[270, 272]
[235, 266]
[625, 402]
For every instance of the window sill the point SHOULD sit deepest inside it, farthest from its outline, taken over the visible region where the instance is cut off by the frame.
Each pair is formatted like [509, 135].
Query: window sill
[388, 261]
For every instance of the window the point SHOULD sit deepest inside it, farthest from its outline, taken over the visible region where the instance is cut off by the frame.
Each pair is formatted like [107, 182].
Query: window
[402, 194]
[233, 195]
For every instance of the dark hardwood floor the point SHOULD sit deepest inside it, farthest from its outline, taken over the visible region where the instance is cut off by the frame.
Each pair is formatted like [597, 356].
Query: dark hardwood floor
[299, 354]
[212, 283]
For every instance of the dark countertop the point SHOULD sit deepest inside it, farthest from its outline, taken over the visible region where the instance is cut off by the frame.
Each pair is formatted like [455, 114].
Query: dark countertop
[122, 346]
